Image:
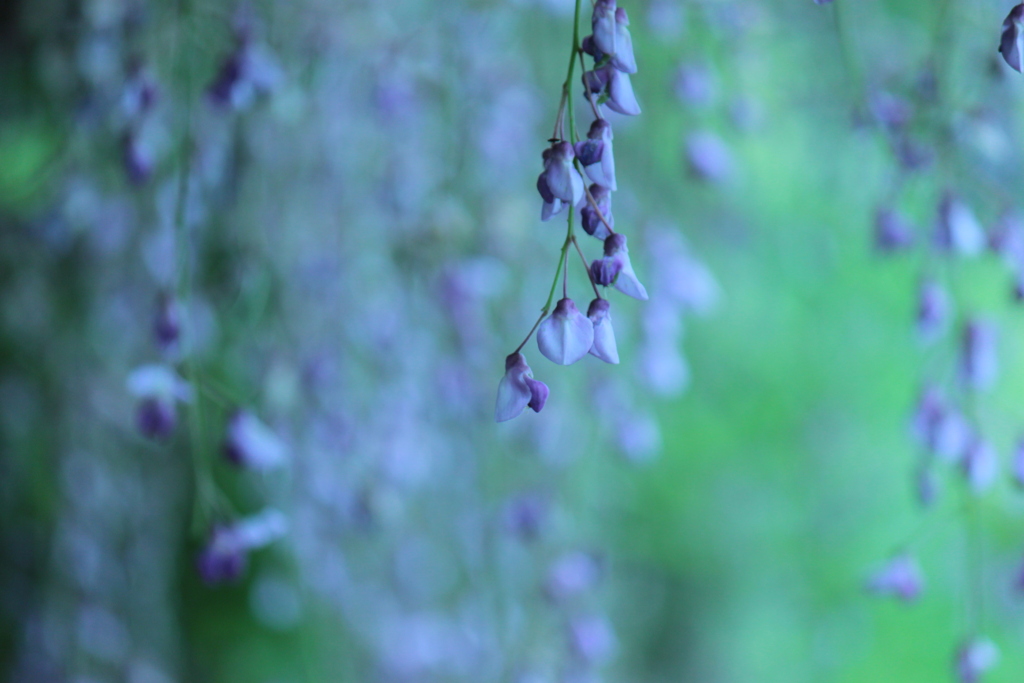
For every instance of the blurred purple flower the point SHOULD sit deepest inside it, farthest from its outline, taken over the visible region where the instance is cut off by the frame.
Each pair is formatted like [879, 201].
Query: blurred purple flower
[248, 72]
[518, 389]
[526, 514]
[604, 26]
[980, 465]
[974, 658]
[615, 268]
[226, 552]
[573, 574]
[933, 310]
[167, 324]
[708, 157]
[892, 232]
[138, 161]
[695, 85]
[604, 346]
[927, 486]
[566, 335]
[592, 639]
[957, 229]
[1018, 463]
[979, 354]
[1011, 42]
[158, 388]
[900, 577]
[616, 87]
[252, 444]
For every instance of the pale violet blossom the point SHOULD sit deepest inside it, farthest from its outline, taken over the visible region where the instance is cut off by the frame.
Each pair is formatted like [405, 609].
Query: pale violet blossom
[566, 335]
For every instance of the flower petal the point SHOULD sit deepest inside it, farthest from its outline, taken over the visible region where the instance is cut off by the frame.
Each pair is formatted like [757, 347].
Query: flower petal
[566, 335]
[513, 392]
[604, 336]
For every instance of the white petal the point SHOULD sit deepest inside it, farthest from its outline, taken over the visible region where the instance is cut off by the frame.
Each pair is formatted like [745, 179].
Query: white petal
[628, 284]
[256, 443]
[550, 209]
[603, 25]
[624, 59]
[262, 529]
[621, 98]
[604, 341]
[565, 337]
[153, 380]
[579, 193]
[513, 396]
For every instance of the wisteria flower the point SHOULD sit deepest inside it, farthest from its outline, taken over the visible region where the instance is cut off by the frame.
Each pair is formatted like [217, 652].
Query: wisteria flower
[604, 25]
[901, 578]
[892, 232]
[252, 444]
[933, 310]
[596, 156]
[979, 355]
[958, 229]
[623, 58]
[225, 555]
[974, 658]
[159, 388]
[615, 268]
[589, 217]
[600, 317]
[566, 335]
[560, 184]
[980, 465]
[1011, 43]
[518, 389]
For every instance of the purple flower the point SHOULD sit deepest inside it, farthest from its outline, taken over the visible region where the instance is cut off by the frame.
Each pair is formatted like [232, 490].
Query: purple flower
[572, 574]
[933, 310]
[560, 184]
[604, 25]
[167, 324]
[980, 465]
[226, 552]
[566, 335]
[621, 98]
[623, 58]
[252, 444]
[592, 639]
[615, 268]
[138, 161]
[979, 357]
[526, 514]
[974, 658]
[927, 486]
[892, 232]
[708, 157]
[604, 346]
[900, 577]
[595, 153]
[518, 389]
[592, 223]
[158, 388]
[1011, 43]
[957, 229]
[244, 74]
[950, 435]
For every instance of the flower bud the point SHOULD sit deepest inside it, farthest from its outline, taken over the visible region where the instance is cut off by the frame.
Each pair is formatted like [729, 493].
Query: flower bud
[167, 324]
[518, 389]
[900, 578]
[592, 223]
[252, 444]
[604, 346]
[1011, 42]
[566, 335]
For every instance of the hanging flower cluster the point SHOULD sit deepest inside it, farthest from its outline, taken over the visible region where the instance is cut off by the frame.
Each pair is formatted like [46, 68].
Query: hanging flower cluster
[567, 335]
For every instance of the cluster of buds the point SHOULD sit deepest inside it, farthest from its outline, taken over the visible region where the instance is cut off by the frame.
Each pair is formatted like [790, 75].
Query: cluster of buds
[567, 335]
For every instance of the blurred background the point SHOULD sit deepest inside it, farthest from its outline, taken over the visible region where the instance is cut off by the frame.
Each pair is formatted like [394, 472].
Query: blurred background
[261, 264]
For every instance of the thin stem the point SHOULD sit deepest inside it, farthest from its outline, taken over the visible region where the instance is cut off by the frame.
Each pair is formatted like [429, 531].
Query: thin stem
[586, 267]
[551, 297]
[586, 88]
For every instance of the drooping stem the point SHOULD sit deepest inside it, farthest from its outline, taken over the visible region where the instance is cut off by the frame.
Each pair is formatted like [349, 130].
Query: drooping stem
[566, 100]
[586, 267]
[551, 294]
